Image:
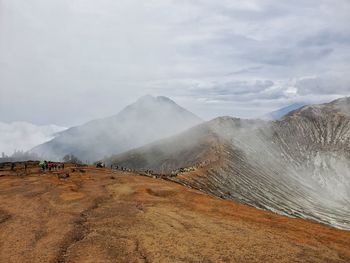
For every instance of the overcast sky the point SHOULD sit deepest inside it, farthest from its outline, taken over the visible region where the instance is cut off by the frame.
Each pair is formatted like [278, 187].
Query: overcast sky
[68, 61]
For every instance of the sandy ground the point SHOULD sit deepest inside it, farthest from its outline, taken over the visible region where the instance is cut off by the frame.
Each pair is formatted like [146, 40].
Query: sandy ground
[106, 216]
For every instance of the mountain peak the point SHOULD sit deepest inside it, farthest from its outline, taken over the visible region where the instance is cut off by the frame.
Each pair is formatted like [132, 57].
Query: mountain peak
[342, 104]
[145, 98]
[165, 99]
[152, 99]
[148, 119]
[341, 100]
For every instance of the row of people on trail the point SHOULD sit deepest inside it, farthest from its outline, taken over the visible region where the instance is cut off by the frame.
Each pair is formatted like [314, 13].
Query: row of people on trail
[44, 165]
[121, 168]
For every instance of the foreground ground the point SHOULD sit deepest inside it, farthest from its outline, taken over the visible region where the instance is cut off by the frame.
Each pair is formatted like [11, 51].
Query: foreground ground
[107, 216]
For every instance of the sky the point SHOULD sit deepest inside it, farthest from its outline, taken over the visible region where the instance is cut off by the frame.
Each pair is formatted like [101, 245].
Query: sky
[66, 62]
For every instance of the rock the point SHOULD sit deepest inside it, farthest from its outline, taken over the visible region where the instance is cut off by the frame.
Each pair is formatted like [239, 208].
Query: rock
[63, 176]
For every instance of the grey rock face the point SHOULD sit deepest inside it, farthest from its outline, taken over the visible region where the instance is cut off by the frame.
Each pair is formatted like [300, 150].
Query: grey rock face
[298, 166]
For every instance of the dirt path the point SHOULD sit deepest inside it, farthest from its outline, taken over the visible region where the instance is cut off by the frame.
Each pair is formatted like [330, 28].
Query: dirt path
[104, 216]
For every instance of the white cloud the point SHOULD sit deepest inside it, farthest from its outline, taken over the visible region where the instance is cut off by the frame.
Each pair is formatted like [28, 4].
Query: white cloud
[71, 61]
[24, 135]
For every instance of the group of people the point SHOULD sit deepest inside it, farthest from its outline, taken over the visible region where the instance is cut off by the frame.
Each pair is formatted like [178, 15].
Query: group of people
[121, 168]
[49, 166]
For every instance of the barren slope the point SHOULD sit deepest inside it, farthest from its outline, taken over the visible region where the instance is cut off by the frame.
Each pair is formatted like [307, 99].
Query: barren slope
[104, 216]
[298, 166]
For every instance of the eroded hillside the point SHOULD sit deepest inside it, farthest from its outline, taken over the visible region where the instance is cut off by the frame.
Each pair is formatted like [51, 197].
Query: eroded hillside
[298, 166]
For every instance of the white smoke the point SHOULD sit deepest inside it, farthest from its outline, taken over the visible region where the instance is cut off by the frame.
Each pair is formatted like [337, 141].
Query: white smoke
[24, 136]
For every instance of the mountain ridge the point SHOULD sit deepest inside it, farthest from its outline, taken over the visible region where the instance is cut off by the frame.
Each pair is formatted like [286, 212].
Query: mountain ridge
[296, 166]
[148, 119]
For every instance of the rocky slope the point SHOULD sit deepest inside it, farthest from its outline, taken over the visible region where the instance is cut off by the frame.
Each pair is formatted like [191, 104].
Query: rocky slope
[148, 119]
[298, 166]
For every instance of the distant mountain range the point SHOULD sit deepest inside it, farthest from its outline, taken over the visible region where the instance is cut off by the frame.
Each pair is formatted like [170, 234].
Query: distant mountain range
[148, 119]
[297, 166]
[278, 114]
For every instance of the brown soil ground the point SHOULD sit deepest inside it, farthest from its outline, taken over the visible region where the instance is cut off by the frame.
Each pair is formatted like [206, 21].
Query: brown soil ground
[107, 216]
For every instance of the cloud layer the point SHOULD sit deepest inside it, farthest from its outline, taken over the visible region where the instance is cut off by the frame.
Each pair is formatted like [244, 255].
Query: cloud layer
[66, 62]
[23, 136]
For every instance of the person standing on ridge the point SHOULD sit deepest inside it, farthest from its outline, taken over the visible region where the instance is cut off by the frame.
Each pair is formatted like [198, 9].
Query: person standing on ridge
[42, 165]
